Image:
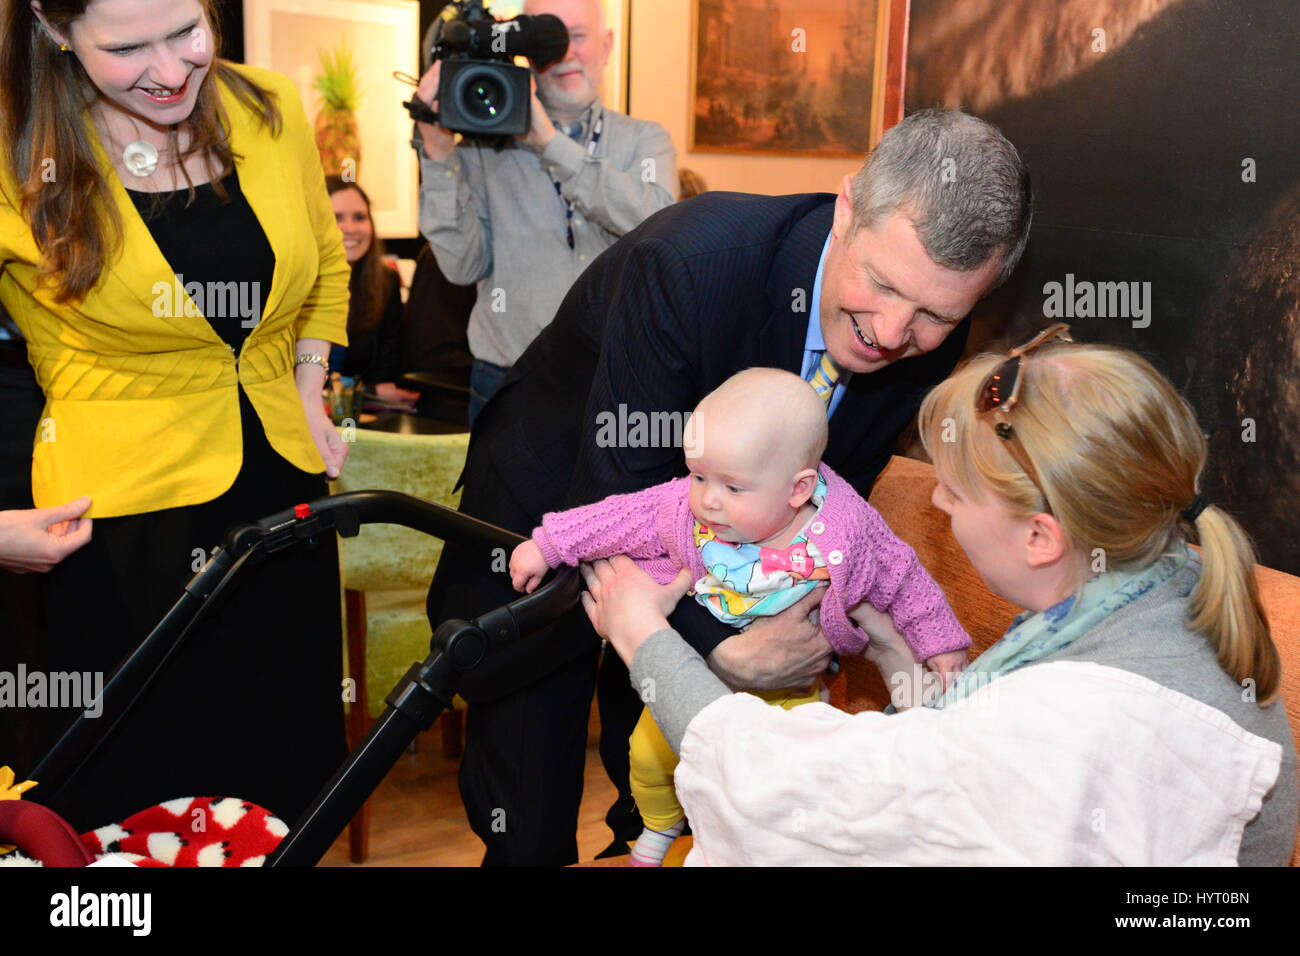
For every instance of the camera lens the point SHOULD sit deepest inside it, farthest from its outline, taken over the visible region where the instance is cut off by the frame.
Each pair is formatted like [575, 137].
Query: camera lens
[484, 96]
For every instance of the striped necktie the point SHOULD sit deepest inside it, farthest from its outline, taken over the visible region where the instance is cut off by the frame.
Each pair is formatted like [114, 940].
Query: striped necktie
[824, 378]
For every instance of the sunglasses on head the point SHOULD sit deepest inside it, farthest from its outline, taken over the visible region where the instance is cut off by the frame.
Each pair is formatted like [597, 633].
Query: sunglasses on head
[1000, 391]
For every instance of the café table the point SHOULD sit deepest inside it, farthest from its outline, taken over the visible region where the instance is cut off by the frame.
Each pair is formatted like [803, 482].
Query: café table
[404, 423]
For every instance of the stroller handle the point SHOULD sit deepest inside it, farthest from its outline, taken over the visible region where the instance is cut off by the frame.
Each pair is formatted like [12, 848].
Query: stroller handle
[347, 511]
[344, 513]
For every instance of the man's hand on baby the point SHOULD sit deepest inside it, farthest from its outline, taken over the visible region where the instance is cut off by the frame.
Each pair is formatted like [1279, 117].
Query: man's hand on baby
[948, 666]
[527, 567]
[787, 650]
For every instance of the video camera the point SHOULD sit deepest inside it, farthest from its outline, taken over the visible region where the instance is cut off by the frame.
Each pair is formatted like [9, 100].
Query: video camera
[481, 91]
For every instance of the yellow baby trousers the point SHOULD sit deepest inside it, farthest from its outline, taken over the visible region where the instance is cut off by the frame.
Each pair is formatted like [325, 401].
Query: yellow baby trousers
[653, 761]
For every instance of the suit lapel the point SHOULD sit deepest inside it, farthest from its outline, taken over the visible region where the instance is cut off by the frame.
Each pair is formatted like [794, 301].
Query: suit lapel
[781, 341]
[845, 433]
[790, 287]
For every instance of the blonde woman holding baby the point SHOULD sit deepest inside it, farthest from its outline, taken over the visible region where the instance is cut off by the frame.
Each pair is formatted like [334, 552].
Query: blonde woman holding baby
[1129, 716]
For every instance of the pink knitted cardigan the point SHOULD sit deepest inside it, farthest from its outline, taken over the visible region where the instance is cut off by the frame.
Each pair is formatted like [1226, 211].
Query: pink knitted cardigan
[867, 561]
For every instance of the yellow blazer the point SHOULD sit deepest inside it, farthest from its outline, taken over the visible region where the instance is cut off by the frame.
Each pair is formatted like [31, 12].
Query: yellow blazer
[142, 409]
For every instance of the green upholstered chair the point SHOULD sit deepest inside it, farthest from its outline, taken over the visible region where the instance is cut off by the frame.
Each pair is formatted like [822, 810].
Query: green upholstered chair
[385, 572]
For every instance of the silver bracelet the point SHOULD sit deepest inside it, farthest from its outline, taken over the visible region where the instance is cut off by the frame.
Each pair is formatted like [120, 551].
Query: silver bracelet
[310, 358]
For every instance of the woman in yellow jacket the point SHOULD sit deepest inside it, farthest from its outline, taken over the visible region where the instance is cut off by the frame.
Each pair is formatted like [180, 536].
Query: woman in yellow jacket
[169, 252]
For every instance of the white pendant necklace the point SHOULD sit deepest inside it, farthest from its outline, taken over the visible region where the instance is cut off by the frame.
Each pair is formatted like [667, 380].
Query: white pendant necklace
[140, 158]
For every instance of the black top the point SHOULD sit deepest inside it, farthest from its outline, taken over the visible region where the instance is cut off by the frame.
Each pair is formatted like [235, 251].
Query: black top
[375, 355]
[223, 258]
[188, 237]
[435, 337]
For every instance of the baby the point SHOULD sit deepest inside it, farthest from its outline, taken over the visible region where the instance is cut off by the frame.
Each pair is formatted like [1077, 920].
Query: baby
[760, 522]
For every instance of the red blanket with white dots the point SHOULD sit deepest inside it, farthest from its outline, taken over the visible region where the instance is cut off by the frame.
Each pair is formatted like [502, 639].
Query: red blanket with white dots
[190, 831]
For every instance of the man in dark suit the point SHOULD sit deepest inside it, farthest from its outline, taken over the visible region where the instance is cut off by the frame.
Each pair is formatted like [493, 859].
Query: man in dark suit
[878, 280]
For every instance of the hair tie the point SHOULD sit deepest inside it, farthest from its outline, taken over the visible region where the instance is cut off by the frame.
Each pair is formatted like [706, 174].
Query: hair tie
[1193, 511]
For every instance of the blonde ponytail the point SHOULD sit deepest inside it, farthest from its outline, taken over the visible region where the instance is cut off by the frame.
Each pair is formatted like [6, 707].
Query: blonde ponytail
[1226, 607]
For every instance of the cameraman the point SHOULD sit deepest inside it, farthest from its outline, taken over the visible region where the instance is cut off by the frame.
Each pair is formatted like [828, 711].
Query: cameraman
[525, 220]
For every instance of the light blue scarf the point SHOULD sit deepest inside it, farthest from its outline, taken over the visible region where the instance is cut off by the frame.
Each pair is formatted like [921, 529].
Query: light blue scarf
[1033, 636]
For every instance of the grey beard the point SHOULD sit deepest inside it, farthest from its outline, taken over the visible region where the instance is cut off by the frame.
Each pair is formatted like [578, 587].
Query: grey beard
[569, 108]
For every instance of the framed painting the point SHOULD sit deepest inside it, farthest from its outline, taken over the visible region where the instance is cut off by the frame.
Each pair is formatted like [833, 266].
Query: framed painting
[295, 37]
[795, 77]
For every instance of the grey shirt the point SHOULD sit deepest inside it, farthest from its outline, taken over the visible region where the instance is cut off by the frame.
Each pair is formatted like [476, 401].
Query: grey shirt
[493, 217]
[1148, 637]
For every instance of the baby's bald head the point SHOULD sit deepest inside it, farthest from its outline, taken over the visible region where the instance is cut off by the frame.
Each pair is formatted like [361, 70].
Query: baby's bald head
[766, 415]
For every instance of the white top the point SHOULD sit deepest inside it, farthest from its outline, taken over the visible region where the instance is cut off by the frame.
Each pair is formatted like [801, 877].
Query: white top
[1059, 764]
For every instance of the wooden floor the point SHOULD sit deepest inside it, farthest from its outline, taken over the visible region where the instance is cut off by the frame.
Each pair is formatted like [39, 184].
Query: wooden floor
[416, 817]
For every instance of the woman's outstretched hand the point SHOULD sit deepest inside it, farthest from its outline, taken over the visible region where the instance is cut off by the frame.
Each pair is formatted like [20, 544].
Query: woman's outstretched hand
[625, 604]
[37, 539]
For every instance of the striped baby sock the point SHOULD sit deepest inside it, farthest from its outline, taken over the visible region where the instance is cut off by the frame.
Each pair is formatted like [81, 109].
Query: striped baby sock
[652, 845]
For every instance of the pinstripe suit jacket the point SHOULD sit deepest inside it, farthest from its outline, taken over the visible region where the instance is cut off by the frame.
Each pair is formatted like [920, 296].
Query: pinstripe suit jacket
[697, 292]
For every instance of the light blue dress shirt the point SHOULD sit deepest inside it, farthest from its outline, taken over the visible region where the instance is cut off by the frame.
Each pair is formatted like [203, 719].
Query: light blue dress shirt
[814, 343]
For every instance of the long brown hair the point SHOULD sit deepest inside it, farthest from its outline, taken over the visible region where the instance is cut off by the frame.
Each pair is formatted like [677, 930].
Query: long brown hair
[371, 280]
[44, 95]
[1120, 455]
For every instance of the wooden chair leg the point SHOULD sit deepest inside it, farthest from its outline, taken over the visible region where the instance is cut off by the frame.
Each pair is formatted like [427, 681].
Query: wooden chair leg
[453, 732]
[359, 835]
[358, 715]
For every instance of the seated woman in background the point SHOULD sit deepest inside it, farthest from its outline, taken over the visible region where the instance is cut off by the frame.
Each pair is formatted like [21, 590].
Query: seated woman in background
[1129, 716]
[374, 350]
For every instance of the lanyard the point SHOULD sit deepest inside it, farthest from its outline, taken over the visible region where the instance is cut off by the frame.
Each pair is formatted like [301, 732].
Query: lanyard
[568, 206]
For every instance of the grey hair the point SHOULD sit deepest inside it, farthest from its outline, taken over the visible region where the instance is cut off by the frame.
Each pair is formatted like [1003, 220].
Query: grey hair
[959, 181]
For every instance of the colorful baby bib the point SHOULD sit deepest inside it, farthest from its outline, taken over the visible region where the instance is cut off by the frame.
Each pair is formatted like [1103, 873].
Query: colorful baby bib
[745, 581]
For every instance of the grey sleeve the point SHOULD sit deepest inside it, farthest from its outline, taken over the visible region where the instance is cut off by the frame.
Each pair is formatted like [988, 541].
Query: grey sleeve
[454, 215]
[675, 683]
[617, 198]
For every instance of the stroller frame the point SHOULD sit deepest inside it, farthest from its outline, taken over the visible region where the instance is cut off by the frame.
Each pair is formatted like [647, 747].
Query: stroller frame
[423, 693]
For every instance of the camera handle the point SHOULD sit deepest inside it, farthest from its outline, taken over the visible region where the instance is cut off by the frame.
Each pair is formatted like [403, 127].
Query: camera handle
[420, 111]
